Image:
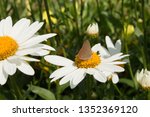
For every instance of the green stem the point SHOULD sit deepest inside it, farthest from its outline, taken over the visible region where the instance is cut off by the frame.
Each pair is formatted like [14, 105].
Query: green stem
[130, 67]
[122, 11]
[76, 17]
[98, 9]
[116, 87]
[15, 88]
[32, 12]
[16, 10]
[89, 87]
[125, 37]
[48, 15]
[58, 94]
[81, 13]
[135, 9]
[145, 38]
[144, 57]
[40, 9]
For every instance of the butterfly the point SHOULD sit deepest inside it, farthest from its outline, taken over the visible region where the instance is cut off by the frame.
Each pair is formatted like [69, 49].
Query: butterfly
[85, 52]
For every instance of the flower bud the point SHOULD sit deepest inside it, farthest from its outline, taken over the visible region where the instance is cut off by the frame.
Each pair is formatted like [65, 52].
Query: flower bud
[128, 30]
[143, 78]
[93, 30]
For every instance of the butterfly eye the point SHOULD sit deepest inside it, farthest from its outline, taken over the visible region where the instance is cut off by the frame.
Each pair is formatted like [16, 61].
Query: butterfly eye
[85, 52]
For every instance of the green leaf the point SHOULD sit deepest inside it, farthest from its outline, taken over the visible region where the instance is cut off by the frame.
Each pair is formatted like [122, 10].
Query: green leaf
[127, 81]
[44, 93]
[61, 88]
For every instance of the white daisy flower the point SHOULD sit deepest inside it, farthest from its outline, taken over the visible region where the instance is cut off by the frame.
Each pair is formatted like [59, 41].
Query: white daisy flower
[93, 30]
[16, 42]
[112, 50]
[87, 61]
[143, 78]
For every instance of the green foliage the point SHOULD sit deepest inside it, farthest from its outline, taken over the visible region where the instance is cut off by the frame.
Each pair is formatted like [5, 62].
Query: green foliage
[127, 82]
[43, 93]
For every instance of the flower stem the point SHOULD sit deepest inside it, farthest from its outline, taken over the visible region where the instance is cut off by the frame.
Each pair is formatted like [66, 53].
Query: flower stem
[76, 18]
[130, 68]
[125, 37]
[117, 89]
[15, 88]
[40, 10]
[89, 87]
[145, 38]
[48, 15]
[32, 12]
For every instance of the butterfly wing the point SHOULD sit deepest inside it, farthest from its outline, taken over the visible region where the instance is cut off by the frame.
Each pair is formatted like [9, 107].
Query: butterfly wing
[85, 52]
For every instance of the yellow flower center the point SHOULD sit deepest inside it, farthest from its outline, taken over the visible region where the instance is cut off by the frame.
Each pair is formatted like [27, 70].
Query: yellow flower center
[8, 47]
[90, 63]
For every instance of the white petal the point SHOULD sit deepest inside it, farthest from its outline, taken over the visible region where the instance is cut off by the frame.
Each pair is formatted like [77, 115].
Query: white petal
[58, 60]
[107, 74]
[19, 27]
[102, 51]
[118, 45]
[25, 68]
[40, 53]
[123, 56]
[43, 51]
[29, 32]
[139, 75]
[47, 47]
[9, 68]
[7, 26]
[110, 68]
[28, 58]
[67, 78]
[109, 42]
[72, 86]
[118, 62]
[90, 71]
[96, 47]
[27, 51]
[112, 49]
[3, 75]
[13, 59]
[113, 57]
[35, 40]
[99, 76]
[79, 75]
[62, 72]
[115, 78]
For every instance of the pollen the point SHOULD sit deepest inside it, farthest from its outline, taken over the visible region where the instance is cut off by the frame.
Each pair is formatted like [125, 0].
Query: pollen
[8, 47]
[90, 63]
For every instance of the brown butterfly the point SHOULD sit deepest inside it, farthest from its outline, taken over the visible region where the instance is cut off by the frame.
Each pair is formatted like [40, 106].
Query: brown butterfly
[85, 52]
